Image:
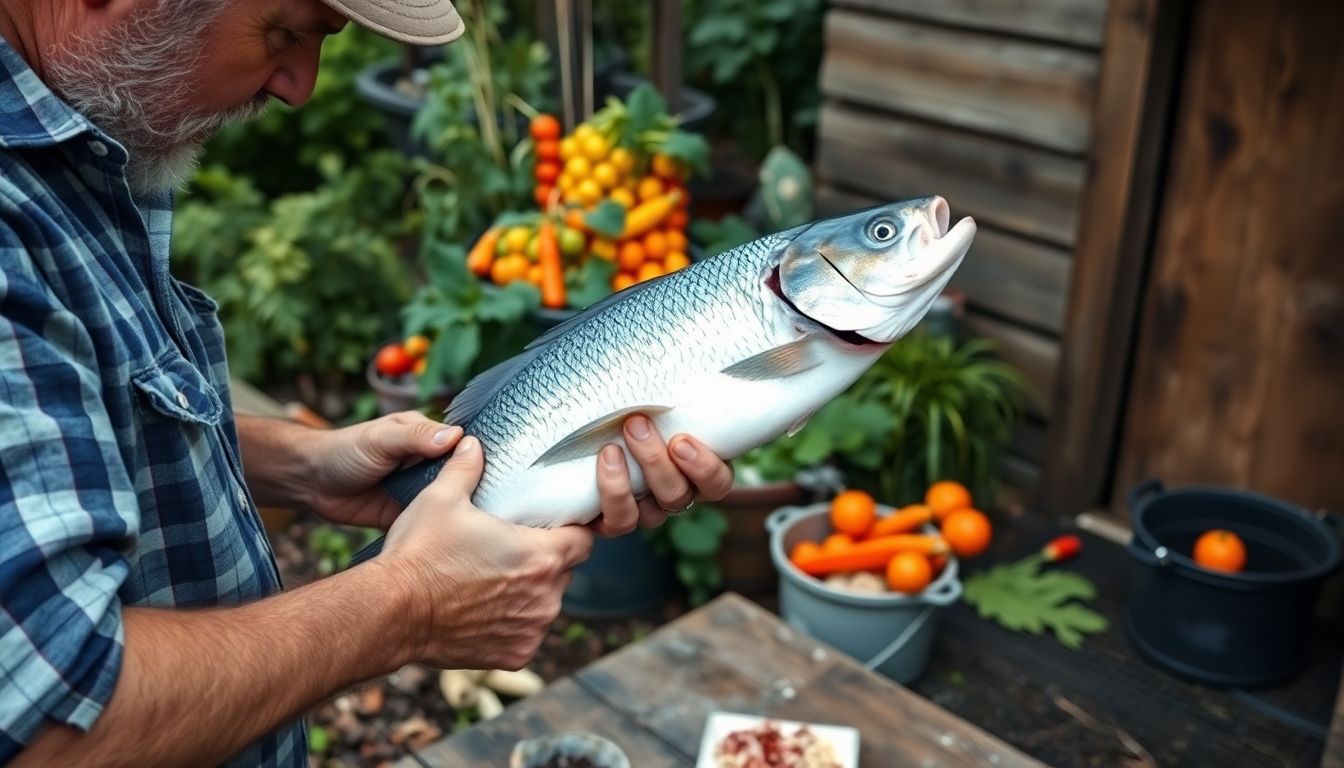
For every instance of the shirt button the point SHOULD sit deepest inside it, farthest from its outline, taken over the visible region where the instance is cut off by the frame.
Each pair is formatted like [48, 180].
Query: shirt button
[98, 148]
[182, 399]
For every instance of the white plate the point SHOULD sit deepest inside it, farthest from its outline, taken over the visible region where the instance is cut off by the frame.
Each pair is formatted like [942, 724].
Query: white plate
[843, 739]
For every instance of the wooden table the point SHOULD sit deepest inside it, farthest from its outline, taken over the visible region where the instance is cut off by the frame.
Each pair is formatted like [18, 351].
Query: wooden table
[653, 697]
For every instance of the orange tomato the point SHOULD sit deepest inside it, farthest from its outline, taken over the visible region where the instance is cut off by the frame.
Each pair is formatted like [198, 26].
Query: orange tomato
[1220, 550]
[420, 366]
[945, 497]
[631, 255]
[803, 550]
[545, 127]
[666, 167]
[509, 268]
[676, 240]
[676, 260]
[534, 274]
[548, 150]
[655, 245]
[853, 512]
[909, 572]
[574, 220]
[622, 280]
[392, 360]
[649, 270]
[649, 188]
[678, 219]
[417, 346]
[623, 159]
[837, 542]
[968, 532]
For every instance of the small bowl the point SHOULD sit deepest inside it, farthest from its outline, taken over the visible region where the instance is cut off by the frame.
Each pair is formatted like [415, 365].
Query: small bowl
[537, 752]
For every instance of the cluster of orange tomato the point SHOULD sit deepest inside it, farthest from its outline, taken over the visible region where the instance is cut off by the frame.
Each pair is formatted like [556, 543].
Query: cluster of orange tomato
[893, 547]
[578, 172]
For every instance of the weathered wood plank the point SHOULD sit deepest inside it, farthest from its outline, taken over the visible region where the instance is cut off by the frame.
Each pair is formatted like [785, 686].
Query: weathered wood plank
[1035, 355]
[1078, 22]
[1033, 92]
[1239, 371]
[1020, 473]
[1334, 746]
[734, 655]
[1116, 221]
[1020, 279]
[1019, 189]
[562, 706]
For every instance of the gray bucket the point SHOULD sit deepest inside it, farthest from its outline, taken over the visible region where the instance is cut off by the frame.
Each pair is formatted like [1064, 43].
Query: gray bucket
[891, 633]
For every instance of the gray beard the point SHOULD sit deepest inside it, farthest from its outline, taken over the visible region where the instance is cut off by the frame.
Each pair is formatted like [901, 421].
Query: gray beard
[133, 82]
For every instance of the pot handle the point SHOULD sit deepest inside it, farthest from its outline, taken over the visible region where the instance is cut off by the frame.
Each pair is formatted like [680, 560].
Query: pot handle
[783, 516]
[895, 646]
[944, 594]
[1158, 558]
[1144, 488]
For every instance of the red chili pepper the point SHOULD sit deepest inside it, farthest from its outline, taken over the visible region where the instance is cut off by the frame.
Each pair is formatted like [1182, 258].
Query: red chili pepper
[1062, 548]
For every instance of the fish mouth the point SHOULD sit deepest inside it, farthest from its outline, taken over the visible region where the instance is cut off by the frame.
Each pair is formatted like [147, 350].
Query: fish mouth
[937, 246]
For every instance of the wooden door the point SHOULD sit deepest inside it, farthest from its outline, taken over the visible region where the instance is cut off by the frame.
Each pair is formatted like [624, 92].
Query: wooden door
[1238, 374]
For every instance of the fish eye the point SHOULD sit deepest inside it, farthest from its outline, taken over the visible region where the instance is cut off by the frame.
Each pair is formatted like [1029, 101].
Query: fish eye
[882, 230]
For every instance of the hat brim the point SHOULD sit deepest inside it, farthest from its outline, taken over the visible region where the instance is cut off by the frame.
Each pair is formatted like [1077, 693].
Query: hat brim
[418, 22]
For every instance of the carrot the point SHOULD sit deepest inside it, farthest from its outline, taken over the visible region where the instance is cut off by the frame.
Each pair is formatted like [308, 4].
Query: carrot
[649, 214]
[482, 254]
[901, 521]
[552, 268]
[870, 554]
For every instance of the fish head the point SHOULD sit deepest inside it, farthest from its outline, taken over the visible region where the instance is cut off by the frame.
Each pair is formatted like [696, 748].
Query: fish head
[871, 275]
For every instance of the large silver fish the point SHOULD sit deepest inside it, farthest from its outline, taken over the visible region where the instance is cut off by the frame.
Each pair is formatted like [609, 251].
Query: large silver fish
[735, 350]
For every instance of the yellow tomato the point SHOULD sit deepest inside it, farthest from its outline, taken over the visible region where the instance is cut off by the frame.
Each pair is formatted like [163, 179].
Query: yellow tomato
[676, 260]
[623, 159]
[517, 238]
[606, 175]
[622, 280]
[417, 346]
[579, 168]
[565, 182]
[623, 197]
[595, 147]
[649, 188]
[590, 192]
[603, 249]
[582, 131]
[569, 147]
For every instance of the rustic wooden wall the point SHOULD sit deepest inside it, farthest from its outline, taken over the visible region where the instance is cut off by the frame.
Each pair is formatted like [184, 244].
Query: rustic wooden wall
[989, 105]
[1239, 370]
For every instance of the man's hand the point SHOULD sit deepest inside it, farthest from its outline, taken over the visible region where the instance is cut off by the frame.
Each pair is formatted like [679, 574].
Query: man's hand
[350, 464]
[483, 592]
[677, 473]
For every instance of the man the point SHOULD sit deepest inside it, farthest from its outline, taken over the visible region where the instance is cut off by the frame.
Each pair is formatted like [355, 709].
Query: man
[127, 495]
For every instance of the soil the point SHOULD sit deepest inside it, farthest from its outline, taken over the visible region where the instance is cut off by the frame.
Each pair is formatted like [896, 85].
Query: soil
[387, 718]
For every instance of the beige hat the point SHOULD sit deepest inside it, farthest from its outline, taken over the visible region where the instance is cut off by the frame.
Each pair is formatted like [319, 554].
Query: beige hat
[418, 22]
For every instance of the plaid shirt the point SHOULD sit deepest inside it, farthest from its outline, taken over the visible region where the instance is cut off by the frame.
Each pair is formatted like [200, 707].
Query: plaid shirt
[120, 478]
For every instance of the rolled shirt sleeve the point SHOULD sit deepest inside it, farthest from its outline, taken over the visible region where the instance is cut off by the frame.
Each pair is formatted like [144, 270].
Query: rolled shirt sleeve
[68, 511]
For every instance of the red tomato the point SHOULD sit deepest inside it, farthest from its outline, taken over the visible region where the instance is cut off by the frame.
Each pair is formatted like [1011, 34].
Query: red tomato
[545, 127]
[393, 360]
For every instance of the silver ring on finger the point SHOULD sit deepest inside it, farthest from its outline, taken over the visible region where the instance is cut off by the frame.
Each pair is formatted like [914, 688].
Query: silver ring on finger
[683, 510]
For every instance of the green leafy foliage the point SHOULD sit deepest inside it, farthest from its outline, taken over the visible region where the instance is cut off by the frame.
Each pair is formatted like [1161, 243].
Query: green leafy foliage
[590, 283]
[693, 539]
[607, 219]
[727, 233]
[335, 545]
[307, 283]
[762, 57]
[642, 122]
[845, 428]
[459, 313]
[1022, 597]
[954, 409]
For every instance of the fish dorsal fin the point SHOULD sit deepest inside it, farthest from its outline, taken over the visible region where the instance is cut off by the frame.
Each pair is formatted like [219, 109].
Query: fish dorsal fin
[593, 309]
[484, 386]
[589, 439]
[779, 362]
[798, 425]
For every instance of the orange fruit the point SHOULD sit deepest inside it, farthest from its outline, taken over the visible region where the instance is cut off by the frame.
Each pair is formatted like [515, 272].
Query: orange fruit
[947, 496]
[967, 532]
[649, 188]
[655, 245]
[1220, 550]
[853, 512]
[666, 167]
[676, 240]
[678, 219]
[417, 346]
[909, 572]
[676, 260]
[631, 255]
[574, 220]
[621, 281]
[534, 274]
[837, 542]
[622, 197]
[649, 270]
[803, 550]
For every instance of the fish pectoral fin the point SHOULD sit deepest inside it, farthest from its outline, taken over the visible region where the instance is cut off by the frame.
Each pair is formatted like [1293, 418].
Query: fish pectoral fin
[589, 439]
[778, 363]
[798, 425]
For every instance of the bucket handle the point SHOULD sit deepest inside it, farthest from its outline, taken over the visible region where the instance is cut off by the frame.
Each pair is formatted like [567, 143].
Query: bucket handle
[1143, 489]
[942, 595]
[1158, 558]
[783, 516]
[935, 599]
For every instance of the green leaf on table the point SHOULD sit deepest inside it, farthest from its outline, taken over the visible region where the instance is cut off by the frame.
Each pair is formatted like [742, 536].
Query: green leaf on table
[1023, 598]
[608, 219]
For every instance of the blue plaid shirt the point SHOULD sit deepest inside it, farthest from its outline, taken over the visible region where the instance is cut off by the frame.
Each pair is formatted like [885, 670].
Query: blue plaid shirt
[120, 478]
